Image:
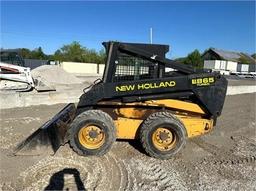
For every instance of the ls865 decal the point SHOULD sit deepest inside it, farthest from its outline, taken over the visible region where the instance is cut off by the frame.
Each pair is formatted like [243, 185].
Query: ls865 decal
[203, 81]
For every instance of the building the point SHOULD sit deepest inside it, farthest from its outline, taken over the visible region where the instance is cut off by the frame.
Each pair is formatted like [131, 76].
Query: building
[231, 62]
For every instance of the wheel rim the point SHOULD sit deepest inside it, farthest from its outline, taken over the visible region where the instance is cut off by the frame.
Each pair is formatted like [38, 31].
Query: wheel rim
[91, 137]
[163, 139]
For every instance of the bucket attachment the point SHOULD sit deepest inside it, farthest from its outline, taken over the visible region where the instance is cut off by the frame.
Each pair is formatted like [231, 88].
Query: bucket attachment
[42, 85]
[50, 136]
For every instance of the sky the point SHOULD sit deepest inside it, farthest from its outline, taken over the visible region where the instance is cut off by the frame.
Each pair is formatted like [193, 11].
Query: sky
[184, 26]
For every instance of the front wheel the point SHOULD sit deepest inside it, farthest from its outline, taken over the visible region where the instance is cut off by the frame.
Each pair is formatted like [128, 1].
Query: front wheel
[92, 133]
[162, 135]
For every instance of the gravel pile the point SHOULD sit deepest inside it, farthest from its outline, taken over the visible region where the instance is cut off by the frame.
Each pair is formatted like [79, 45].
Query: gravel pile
[54, 75]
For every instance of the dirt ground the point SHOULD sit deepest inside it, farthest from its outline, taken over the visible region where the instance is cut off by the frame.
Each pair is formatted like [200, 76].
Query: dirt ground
[234, 81]
[221, 160]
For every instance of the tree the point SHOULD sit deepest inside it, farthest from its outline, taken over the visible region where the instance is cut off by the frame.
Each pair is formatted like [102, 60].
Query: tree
[243, 59]
[38, 54]
[25, 53]
[57, 56]
[73, 52]
[102, 56]
[70, 52]
[194, 59]
[90, 56]
[181, 59]
[254, 55]
[34, 54]
[77, 53]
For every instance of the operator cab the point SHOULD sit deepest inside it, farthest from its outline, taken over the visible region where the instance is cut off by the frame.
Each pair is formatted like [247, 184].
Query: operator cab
[128, 66]
[11, 56]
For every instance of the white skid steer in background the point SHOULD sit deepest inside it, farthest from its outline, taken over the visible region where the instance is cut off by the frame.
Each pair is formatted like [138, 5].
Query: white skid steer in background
[18, 78]
[14, 76]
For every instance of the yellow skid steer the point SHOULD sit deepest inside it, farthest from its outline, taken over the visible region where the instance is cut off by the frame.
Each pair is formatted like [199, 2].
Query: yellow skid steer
[142, 95]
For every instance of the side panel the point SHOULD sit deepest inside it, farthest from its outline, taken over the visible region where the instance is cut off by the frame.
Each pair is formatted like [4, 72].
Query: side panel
[137, 109]
[127, 128]
[196, 126]
[129, 117]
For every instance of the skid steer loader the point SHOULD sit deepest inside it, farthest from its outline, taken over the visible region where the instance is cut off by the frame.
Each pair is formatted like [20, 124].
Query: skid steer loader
[14, 76]
[142, 95]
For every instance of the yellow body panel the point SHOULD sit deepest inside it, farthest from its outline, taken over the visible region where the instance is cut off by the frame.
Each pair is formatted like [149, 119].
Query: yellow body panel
[180, 105]
[196, 126]
[129, 116]
[167, 103]
[127, 128]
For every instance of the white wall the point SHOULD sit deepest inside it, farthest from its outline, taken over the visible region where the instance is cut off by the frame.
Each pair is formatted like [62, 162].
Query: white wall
[101, 69]
[82, 68]
[223, 64]
[220, 65]
[231, 66]
[209, 64]
[245, 68]
[215, 64]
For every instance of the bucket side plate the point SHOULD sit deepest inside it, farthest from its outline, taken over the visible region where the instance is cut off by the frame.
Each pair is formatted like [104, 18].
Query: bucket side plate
[50, 136]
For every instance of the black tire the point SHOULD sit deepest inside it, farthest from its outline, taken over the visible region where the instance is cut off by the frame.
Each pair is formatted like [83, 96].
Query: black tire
[160, 120]
[99, 119]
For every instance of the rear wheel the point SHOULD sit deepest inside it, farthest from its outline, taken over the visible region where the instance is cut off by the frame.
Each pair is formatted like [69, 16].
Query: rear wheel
[162, 135]
[92, 133]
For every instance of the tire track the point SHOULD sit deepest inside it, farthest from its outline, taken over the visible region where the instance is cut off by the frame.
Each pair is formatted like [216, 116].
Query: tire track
[149, 174]
[221, 156]
[187, 170]
[110, 173]
[97, 173]
[38, 175]
[243, 146]
[7, 186]
[225, 165]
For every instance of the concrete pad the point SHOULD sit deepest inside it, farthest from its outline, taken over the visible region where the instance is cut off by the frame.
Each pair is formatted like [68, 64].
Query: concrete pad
[233, 90]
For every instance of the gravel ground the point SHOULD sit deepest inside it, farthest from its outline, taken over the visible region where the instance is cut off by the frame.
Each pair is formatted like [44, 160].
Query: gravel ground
[236, 81]
[221, 160]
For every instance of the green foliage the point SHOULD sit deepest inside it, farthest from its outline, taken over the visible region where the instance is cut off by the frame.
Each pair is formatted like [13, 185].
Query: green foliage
[254, 55]
[181, 60]
[73, 52]
[34, 54]
[194, 59]
[38, 54]
[102, 56]
[57, 55]
[25, 53]
[77, 53]
[244, 60]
